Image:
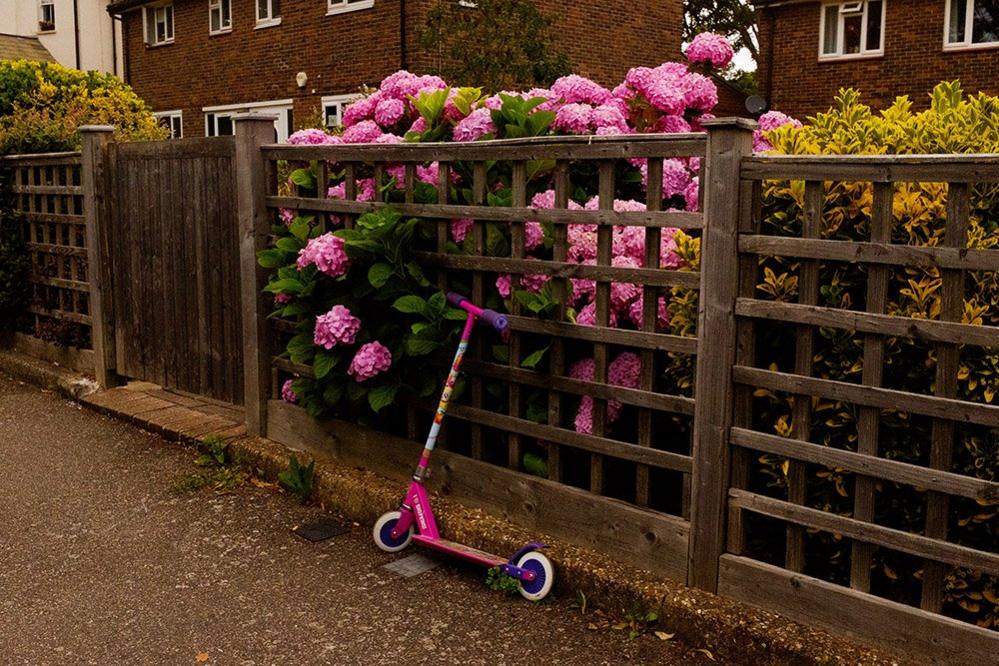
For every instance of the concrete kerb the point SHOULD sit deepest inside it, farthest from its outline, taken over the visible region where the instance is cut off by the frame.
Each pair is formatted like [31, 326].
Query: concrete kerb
[731, 631]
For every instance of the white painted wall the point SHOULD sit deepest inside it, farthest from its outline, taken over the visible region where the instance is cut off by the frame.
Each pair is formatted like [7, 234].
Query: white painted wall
[96, 32]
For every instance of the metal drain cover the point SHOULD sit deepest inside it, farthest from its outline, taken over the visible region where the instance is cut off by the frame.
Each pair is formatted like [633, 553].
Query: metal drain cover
[321, 530]
[411, 566]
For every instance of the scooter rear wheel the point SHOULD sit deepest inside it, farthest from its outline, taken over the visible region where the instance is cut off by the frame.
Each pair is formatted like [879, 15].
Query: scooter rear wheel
[382, 533]
[544, 576]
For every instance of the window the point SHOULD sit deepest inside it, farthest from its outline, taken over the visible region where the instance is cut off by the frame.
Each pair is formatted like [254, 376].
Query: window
[219, 119]
[46, 15]
[341, 6]
[972, 23]
[219, 16]
[173, 121]
[268, 13]
[159, 25]
[852, 29]
[333, 107]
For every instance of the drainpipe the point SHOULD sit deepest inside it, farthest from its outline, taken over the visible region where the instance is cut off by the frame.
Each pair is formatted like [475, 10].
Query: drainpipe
[772, 23]
[76, 30]
[403, 48]
[114, 45]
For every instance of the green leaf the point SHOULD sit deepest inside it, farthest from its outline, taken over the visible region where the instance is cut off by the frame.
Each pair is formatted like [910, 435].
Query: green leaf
[455, 314]
[303, 178]
[301, 348]
[332, 394]
[290, 244]
[536, 465]
[271, 258]
[379, 274]
[501, 353]
[324, 362]
[410, 304]
[300, 227]
[285, 286]
[419, 346]
[534, 358]
[382, 396]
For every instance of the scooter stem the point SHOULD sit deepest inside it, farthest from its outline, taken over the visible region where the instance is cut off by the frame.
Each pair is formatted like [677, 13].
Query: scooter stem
[452, 377]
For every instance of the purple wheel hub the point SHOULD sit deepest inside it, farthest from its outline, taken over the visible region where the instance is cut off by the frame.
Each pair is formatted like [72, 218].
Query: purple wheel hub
[386, 534]
[534, 586]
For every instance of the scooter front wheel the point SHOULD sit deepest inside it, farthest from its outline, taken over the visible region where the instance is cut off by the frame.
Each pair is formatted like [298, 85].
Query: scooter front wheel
[544, 576]
[382, 533]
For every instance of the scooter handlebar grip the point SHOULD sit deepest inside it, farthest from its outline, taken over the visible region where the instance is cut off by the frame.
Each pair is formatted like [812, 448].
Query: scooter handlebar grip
[495, 319]
[455, 299]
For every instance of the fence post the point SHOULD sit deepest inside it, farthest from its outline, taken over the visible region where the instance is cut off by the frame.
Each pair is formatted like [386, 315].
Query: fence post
[729, 140]
[252, 131]
[95, 139]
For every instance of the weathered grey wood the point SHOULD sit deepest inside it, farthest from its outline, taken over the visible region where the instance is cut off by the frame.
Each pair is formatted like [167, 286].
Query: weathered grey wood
[928, 330]
[868, 465]
[216, 146]
[729, 141]
[869, 423]
[906, 542]
[654, 219]
[965, 168]
[945, 385]
[914, 403]
[922, 636]
[78, 360]
[252, 131]
[643, 538]
[873, 253]
[94, 181]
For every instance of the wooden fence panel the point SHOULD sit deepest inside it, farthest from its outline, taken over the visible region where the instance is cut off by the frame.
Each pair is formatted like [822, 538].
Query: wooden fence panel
[175, 264]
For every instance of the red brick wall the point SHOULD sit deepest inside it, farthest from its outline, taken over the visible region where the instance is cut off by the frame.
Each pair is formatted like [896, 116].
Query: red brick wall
[341, 52]
[914, 59]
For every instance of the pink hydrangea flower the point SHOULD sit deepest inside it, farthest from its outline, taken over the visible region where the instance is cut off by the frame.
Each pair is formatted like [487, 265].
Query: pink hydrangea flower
[710, 49]
[610, 116]
[327, 253]
[622, 293]
[699, 92]
[287, 216]
[534, 235]
[582, 242]
[769, 121]
[288, 393]
[419, 125]
[365, 131]
[282, 299]
[533, 282]
[636, 313]
[336, 327]
[477, 124]
[460, 228]
[504, 285]
[676, 177]
[311, 136]
[671, 124]
[370, 360]
[692, 195]
[625, 370]
[573, 89]
[574, 118]
[587, 315]
[668, 258]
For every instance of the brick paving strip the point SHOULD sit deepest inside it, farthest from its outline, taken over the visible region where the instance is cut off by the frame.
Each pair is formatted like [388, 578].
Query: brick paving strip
[732, 632]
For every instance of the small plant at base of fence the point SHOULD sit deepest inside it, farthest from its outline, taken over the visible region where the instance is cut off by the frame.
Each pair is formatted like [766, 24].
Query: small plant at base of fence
[218, 470]
[502, 582]
[299, 479]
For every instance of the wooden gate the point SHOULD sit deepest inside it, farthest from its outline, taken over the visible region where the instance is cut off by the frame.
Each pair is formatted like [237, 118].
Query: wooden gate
[175, 265]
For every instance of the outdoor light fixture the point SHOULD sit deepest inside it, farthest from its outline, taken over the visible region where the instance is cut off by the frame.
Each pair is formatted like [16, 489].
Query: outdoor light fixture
[301, 79]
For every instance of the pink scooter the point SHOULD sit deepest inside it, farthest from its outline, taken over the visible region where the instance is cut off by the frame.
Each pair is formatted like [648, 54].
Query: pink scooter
[414, 521]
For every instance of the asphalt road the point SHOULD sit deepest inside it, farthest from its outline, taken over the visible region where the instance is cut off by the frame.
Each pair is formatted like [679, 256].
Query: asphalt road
[103, 562]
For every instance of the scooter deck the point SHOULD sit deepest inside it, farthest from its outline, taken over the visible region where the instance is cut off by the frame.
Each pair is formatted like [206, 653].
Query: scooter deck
[460, 550]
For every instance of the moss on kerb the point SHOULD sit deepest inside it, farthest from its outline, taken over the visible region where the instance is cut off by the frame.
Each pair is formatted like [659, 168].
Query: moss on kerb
[731, 631]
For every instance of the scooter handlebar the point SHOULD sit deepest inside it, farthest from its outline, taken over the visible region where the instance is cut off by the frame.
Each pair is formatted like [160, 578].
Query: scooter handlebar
[491, 317]
[495, 319]
[455, 299]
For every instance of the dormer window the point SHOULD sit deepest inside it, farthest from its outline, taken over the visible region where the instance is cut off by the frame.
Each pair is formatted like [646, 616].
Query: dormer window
[852, 29]
[46, 16]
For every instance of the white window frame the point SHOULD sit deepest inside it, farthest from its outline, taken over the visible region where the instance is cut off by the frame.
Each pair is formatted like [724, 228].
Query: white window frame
[969, 17]
[270, 19]
[168, 26]
[42, 4]
[282, 107]
[841, 18]
[215, 7]
[341, 101]
[344, 6]
[170, 117]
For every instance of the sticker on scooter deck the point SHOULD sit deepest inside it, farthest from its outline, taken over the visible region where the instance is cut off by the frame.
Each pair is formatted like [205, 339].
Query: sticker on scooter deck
[321, 530]
[412, 565]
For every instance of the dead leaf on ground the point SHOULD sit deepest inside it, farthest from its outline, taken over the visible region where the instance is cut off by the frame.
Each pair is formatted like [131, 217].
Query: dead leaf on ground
[663, 636]
[201, 657]
[260, 483]
[706, 653]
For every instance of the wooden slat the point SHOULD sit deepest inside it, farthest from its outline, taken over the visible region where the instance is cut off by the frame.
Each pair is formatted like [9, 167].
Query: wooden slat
[518, 182]
[903, 630]
[480, 188]
[868, 465]
[965, 168]
[906, 542]
[914, 403]
[605, 245]
[871, 253]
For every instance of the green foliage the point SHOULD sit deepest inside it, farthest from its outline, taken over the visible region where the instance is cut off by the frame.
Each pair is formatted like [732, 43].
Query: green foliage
[500, 582]
[42, 105]
[218, 470]
[735, 19]
[298, 479]
[637, 622]
[13, 258]
[497, 45]
[953, 124]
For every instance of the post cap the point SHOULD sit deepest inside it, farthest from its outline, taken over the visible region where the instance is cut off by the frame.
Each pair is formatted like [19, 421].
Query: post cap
[255, 115]
[97, 128]
[733, 122]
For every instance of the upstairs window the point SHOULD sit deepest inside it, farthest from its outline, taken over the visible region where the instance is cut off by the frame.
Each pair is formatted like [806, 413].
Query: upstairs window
[46, 15]
[219, 16]
[341, 6]
[333, 107]
[852, 29]
[972, 23]
[159, 24]
[268, 12]
[173, 121]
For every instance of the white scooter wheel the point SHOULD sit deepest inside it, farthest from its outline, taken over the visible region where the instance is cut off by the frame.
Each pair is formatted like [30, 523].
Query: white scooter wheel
[544, 573]
[382, 533]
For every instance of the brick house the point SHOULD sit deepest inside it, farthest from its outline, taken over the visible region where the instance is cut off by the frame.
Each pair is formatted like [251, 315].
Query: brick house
[198, 62]
[884, 48]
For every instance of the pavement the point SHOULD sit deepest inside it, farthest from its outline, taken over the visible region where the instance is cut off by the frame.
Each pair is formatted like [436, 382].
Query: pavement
[102, 561]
